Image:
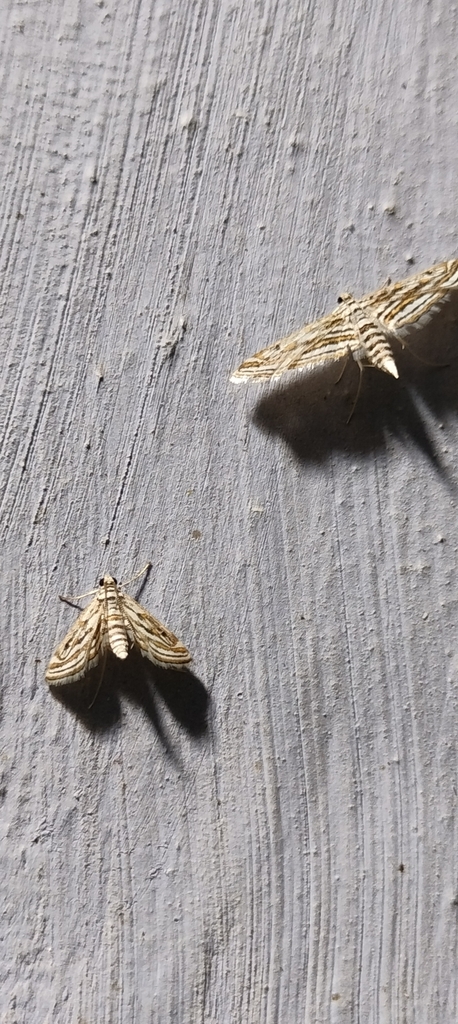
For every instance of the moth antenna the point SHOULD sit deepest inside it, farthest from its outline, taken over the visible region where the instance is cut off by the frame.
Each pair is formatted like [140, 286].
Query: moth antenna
[421, 359]
[146, 568]
[79, 597]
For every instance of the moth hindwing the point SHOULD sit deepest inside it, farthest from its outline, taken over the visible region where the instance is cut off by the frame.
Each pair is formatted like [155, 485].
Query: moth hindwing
[113, 621]
[363, 328]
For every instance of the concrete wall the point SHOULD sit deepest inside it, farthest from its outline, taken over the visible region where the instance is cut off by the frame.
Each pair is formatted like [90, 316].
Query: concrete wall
[273, 839]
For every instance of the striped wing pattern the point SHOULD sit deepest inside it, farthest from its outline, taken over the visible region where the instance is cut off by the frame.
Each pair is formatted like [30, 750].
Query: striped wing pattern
[412, 303]
[80, 650]
[323, 341]
[392, 310]
[113, 620]
[152, 638]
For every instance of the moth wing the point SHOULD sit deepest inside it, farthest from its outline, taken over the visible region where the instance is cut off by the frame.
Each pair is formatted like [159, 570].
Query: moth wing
[151, 637]
[323, 341]
[414, 301]
[80, 649]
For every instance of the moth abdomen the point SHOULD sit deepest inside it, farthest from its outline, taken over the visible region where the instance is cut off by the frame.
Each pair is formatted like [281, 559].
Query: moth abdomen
[118, 640]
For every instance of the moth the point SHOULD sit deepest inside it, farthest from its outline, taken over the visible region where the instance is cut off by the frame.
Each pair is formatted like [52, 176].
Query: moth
[113, 621]
[363, 328]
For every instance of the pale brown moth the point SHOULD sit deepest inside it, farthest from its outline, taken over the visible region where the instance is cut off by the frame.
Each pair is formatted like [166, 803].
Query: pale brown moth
[362, 328]
[113, 621]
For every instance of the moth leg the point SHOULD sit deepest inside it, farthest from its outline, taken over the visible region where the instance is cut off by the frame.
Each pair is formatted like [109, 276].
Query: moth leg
[344, 366]
[102, 673]
[361, 368]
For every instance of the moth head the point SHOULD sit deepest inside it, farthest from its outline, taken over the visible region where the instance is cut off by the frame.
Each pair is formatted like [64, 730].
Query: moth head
[344, 297]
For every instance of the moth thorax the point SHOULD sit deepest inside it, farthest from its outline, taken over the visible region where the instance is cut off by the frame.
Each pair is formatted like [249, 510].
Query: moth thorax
[116, 629]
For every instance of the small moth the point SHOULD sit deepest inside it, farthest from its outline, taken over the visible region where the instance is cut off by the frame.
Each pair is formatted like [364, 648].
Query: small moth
[113, 621]
[363, 328]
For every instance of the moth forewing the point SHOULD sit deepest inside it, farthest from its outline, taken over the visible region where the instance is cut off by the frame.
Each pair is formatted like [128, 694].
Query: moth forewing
[113, 620]
[363, 328]
[324, 341]
[80, 649]
[152, 638]
[412, 303]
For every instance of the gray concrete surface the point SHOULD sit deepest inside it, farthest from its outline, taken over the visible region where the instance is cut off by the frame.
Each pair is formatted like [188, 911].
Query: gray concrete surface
[274, 838]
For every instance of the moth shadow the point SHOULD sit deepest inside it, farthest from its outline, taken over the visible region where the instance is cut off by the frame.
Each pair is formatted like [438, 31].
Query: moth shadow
[180, 691]
[93, 701]
[96, 702]
[311, 411]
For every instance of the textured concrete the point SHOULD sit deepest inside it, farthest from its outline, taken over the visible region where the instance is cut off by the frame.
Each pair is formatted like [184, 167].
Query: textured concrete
[273, 839]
